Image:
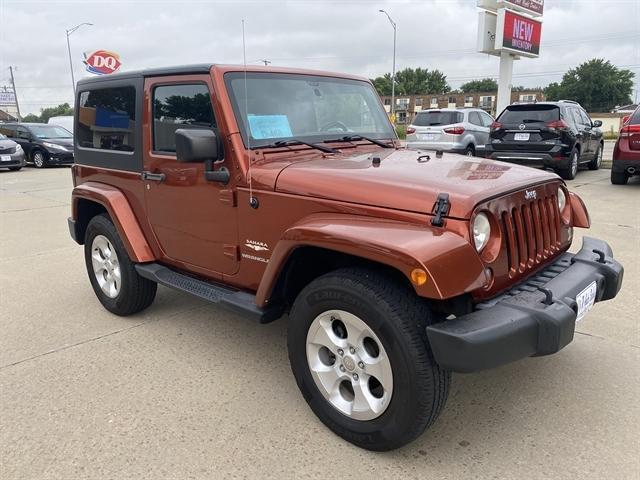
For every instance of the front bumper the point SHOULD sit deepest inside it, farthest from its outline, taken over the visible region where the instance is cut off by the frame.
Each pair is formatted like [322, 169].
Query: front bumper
[16, 160]
[60, 158]
[535, 318]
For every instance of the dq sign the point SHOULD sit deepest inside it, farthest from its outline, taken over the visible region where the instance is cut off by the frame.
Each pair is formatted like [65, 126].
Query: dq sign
[102, 62]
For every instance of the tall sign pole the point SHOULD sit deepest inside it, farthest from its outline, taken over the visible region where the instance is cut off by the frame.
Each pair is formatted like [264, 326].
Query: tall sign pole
[15, 93]
[509, 29]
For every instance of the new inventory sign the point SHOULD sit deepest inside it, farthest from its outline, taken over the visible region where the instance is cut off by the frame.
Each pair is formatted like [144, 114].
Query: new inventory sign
[102, 62]
[518, 34]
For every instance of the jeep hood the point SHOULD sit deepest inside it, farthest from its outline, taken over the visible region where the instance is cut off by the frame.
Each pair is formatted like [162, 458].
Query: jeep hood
[407, 180]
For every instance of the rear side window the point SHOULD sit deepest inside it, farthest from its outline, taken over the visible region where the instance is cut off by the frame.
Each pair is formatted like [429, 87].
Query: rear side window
[530, 114]
[179, 106]
[428, 119]
[474, 118]
[107, 119]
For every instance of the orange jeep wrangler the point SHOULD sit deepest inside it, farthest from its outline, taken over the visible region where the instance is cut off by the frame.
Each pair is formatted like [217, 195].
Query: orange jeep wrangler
[275, 191]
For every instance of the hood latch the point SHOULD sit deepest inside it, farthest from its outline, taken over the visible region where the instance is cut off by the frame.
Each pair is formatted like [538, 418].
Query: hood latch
[440, 209]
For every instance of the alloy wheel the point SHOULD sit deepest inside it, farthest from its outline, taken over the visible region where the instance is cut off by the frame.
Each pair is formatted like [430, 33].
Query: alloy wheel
[106, 266]
[38, 159]
[349, 365]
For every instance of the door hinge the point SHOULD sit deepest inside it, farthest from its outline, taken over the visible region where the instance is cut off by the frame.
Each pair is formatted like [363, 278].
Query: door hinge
[440, 209]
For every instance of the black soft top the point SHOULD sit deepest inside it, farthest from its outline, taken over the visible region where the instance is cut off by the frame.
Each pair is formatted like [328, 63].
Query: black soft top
[150, 72]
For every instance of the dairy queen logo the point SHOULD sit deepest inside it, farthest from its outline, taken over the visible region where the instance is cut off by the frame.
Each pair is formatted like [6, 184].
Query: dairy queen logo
[102, 62]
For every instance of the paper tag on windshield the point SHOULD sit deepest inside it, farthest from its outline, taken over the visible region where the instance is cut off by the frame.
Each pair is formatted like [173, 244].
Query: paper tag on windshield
[269, 126]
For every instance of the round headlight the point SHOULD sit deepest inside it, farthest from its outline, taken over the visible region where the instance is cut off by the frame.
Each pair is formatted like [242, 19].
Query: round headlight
[481, 231]
[562, 199]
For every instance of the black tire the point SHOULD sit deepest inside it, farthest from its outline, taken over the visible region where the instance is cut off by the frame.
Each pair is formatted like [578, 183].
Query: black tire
[39, 158]
[619, 178]
[398, 317]
[15, 169]
[597, 160]
[136, 293]
[470, 151]
[571, 171]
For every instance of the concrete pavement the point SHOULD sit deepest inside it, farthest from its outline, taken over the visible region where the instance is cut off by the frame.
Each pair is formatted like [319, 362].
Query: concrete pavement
[188, 390]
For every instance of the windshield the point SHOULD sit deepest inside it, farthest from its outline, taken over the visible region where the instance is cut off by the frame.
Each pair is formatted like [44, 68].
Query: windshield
[530, 114]
[306, 107]
[50, 131]
[426, 119]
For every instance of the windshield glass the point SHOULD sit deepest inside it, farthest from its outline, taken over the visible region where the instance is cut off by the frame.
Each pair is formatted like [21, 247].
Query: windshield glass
[530, 114]
[42, 131]
[306, 107]
[426, 119]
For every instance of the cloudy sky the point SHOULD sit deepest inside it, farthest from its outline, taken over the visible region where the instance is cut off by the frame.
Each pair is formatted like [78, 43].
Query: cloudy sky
[340, 35]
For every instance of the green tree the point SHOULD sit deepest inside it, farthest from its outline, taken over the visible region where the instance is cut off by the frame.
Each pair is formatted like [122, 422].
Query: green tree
[61, 110]
[410, 81]
[484, 85]
[597, 85]
[31, 118]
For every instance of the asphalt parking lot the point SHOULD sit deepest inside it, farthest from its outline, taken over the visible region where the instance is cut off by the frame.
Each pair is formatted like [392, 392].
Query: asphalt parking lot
[187, 390]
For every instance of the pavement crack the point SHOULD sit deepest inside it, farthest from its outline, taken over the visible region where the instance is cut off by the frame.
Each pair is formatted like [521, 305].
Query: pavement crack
[66, 347]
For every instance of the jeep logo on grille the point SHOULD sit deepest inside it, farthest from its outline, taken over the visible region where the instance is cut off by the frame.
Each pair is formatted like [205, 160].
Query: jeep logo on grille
[530, 194]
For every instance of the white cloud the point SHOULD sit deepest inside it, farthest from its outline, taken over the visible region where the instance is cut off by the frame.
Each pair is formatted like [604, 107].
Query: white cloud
[350, 36]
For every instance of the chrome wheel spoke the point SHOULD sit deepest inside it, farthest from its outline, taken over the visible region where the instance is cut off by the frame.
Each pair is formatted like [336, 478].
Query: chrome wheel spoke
[106, 267]
[380, 369]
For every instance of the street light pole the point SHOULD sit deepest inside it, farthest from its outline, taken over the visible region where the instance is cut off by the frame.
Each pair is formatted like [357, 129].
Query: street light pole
[393, 72]
[69, 32]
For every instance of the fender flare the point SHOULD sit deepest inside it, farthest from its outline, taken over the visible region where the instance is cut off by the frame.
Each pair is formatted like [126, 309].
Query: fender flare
[452, 264]
[117, 206]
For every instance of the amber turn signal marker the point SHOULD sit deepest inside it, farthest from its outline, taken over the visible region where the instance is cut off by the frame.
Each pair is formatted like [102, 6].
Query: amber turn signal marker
[418, 276]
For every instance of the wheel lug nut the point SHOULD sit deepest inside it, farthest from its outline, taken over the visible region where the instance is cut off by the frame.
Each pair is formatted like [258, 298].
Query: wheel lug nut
[352, 350]
[355, 376]
[361, 364]
[340, 352]
[342, 369]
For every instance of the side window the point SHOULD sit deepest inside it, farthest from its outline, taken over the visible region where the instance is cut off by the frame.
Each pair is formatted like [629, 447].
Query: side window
[585, 118]
[22, 133]
[474, 118]
[487, 119]
[575, 116]
[8, 130]
[107, 119]
[179, 106]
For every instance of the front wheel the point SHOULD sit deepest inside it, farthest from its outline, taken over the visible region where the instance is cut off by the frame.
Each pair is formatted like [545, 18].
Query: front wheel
[39, 159]
[359, 352]
[113, 276]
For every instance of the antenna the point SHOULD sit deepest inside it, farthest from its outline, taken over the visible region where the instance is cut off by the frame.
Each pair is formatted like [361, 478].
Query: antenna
[253, 202]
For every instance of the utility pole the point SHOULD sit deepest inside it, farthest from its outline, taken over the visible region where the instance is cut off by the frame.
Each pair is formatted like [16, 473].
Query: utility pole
[393, 72]
[15, 93]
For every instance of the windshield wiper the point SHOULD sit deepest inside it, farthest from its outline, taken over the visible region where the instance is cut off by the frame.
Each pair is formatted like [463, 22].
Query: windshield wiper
[349, 138]
[295, 141]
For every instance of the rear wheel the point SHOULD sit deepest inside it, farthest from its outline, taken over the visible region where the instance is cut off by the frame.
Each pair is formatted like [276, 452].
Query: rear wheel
[470, 151]
[597, 160]
[359, 352]
[39, 159]
[113, 276]
[570, 172]
[619, 178]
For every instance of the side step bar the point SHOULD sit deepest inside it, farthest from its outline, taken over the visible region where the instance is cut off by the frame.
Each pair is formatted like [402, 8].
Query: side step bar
[235, 300]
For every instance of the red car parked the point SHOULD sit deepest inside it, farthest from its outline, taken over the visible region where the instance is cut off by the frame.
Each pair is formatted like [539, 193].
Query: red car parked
[626, 154]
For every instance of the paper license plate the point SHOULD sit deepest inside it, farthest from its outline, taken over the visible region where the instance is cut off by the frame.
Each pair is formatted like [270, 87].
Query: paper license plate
[585, 300]
[5, 158]
[427, 136]
[523, 137]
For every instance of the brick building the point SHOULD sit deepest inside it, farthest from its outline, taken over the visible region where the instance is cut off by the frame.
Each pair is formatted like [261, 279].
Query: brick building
[408, 105]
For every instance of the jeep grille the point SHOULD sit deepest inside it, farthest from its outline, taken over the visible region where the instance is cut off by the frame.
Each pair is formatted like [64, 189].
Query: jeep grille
[532, 232]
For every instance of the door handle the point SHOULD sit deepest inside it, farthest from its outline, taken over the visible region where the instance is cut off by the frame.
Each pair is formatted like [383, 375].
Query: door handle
[155, 177]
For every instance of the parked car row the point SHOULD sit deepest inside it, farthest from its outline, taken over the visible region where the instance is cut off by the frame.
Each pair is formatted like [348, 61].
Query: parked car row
[558, 135]
[41, 144]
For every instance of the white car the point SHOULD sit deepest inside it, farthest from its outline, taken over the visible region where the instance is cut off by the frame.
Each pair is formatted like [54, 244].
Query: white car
[65, 121]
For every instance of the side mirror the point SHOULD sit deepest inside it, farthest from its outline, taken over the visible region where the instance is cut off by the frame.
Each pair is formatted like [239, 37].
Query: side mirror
[597, 123]
[196, 145]
[201, 146]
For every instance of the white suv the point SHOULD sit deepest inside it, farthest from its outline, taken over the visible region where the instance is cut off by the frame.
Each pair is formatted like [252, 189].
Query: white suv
[458, 130]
